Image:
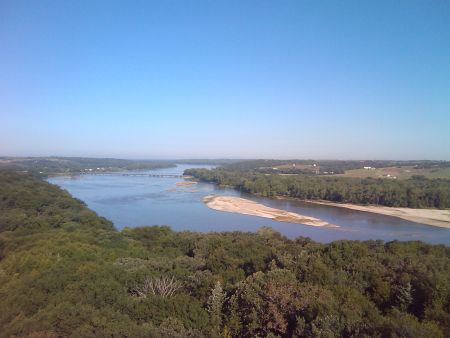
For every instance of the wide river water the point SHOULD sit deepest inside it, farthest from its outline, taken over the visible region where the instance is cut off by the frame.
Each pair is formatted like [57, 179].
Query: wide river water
[142, 200]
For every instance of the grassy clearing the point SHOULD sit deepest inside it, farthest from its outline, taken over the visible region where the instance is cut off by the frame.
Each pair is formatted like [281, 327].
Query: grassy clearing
[398, 172]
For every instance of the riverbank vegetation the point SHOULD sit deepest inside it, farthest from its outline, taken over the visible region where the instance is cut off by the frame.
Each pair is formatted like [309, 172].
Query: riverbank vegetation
[64, 271]
[45, 166]
[417, 192]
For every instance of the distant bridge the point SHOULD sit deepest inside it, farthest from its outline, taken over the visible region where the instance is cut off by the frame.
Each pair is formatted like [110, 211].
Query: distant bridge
[135, 175]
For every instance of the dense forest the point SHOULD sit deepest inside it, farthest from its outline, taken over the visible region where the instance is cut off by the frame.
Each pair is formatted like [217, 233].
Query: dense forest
[417, 192]
[64, 271]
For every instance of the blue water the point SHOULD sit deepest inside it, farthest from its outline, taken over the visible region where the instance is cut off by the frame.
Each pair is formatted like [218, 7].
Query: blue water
[141, 200]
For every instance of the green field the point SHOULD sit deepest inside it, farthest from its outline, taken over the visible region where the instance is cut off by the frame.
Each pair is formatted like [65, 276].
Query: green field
[398, 172]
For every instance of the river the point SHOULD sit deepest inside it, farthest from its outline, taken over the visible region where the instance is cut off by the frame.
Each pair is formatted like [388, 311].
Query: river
[142, 200]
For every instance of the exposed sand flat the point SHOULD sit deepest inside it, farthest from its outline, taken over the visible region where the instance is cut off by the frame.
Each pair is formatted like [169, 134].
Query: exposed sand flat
[435, 217]
[247, 207]
[185, 183]
[182, 185]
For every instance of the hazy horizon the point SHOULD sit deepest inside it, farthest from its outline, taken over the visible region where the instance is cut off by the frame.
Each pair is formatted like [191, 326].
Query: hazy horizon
[197, 80]
[174, 159]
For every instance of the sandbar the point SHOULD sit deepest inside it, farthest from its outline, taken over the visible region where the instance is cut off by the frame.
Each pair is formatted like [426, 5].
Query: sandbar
[248, 207]
[185, 183]
[434, 217]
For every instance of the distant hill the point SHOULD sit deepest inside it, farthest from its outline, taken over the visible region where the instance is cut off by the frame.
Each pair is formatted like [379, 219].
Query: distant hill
[328, 167]
[72, 165]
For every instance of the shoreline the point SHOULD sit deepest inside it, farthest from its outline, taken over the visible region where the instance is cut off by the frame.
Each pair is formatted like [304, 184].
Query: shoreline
[247, 207]
[433, 217]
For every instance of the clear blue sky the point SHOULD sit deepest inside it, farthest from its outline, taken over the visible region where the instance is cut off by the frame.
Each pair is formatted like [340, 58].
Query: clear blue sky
[225, 79]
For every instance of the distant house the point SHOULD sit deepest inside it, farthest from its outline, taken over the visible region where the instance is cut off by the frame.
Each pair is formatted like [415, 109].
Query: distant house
[369, 168]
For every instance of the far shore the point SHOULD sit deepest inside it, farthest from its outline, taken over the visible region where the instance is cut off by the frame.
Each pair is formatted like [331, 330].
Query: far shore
[248, 207]
[434, 217]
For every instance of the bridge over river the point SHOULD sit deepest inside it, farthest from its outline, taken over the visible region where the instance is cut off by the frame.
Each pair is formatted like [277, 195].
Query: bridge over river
[136, 175]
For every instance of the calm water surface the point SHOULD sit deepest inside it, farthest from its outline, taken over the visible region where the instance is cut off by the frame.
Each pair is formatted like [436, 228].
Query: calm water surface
[138, 200]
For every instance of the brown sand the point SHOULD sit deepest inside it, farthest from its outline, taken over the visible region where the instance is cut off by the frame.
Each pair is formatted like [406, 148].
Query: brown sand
[247, 207]
[435, 217]
[185, 183]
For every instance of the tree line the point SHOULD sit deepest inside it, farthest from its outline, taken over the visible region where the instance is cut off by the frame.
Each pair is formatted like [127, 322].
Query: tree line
[73, 165]
[417, 192]
[335, 166]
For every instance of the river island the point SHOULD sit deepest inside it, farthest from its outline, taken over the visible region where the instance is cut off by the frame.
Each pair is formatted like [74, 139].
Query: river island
[247, 207]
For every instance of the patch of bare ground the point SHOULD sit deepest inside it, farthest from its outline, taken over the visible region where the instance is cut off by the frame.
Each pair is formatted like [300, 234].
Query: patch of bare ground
[434, 217]
[248, 207]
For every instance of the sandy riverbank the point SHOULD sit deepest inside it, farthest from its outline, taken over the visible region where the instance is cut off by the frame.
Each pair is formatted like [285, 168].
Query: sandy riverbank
[435, 217]
[247, 207]
[185, 183]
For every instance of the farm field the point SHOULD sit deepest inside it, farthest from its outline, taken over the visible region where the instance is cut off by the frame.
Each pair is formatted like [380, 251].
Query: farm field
[398, 172]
